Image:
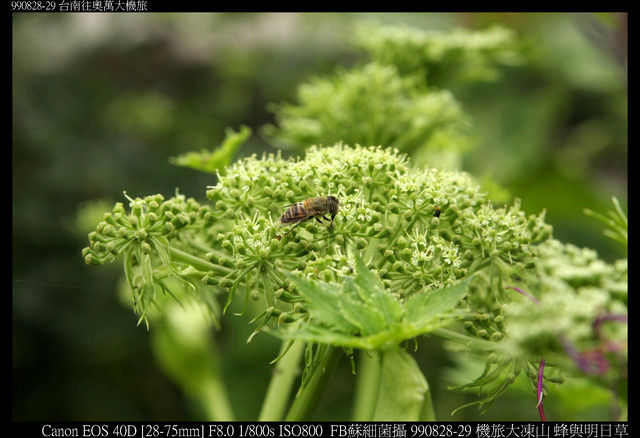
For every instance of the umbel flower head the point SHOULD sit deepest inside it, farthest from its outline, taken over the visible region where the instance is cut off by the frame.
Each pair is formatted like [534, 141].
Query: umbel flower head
[142, 236]
[387, 215]
[408, 245]
[395, 264]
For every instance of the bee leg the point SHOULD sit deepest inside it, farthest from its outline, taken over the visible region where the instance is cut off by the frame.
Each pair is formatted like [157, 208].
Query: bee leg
[327, 219]
[298, 223]
[292, 228]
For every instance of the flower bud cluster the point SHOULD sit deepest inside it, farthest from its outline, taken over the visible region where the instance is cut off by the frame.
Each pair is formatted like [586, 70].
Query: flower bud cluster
[571, 316]
[575, 289]
[387, 214]
[417, 230]
[142, 235]
[148, 218]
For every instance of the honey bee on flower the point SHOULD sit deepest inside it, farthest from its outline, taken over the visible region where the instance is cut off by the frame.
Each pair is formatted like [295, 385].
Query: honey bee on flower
[316, 207]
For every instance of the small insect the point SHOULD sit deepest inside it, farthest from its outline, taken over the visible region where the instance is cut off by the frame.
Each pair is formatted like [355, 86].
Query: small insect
[437, 212]
[315, 207]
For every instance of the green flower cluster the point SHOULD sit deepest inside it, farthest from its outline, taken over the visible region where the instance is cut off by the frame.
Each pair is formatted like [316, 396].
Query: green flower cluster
[150, 221]
[398, 96]
[459, 54]
[146, 237]
[386, 213]
[577, 292]
[568, 309]
[404, 236]
[372, 104]
[387, 218]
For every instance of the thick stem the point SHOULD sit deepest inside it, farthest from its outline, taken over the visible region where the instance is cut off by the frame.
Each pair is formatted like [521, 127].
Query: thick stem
[307, 401]
[404, 393]
[367, 387]
[184, 349]
[215, 401]
[285, 372]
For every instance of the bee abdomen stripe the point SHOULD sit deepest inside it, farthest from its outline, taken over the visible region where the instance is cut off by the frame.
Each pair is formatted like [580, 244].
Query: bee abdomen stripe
[292, 214]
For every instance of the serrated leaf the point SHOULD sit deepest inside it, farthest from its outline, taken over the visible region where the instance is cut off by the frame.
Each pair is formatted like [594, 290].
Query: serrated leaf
[322, 300]
[427, 308]
[375, 294]
[366, 317]
[361, 313]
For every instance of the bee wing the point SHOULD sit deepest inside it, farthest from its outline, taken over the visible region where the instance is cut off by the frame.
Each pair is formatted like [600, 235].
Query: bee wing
[287, 207]
[298, 212]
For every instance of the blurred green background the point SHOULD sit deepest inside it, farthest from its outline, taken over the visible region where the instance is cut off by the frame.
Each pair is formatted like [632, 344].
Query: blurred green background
[101, 101]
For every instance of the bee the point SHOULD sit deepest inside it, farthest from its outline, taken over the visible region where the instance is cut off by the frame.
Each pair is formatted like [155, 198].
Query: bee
[437, 212]
[316, 207]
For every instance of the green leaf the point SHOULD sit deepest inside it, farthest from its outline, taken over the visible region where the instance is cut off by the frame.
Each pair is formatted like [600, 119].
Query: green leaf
[359, 312]
[426, 308]
[322, 300]
[403, 391]
[374, 294]
[215, 160]
[617, 222]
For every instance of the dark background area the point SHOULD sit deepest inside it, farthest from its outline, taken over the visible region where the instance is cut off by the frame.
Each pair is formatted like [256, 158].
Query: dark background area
[101, 101]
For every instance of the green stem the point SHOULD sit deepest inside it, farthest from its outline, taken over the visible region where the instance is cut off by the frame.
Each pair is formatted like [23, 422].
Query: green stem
[197, 262]
[215, 401]
[285, 372]
[307, 401]
[464, 339]
[268, 288]
[185, 351]
[367, 386]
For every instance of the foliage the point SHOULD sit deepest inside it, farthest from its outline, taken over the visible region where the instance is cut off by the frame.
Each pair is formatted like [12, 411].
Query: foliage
[443, 57]
[415, 260]
[211, 161]
[361, 313]
[413, 248]
[371, 105]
